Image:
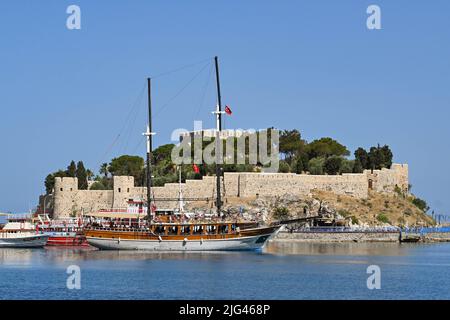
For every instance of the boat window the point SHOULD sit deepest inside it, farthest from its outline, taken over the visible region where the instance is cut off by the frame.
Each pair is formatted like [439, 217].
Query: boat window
[173, 230]
[159, 230]
[185, 230]
[211, 229]
[198, 229]
[223, 229]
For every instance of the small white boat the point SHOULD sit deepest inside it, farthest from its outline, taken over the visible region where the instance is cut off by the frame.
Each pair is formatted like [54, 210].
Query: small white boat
[21, 235]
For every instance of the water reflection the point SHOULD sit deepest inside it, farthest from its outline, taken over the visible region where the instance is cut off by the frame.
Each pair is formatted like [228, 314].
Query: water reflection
[351, 248]
[63, 255]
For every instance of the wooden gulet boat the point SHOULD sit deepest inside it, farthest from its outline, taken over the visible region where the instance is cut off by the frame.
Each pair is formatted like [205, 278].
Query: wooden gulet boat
[183, 235]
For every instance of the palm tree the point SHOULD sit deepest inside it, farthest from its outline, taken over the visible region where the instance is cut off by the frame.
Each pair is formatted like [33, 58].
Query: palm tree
[89, 174]
[104, 169]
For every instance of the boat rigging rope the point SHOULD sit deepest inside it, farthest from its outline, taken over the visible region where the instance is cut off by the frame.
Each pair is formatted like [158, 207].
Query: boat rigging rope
[182, 89]
[205, 88]
[180, 68]
[130, 113]
[132, 124]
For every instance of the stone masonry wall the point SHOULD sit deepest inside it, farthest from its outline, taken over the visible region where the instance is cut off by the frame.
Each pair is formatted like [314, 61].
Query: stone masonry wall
[68, 200]
[385, 180]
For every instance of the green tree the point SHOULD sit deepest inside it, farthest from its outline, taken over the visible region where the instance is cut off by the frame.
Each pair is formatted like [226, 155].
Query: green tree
[333, 164]
[376, 158]
[104, 183]
[89, 174]
[326, 147]
[49, 183]
[290, 143]
[362, 157]
[284, 167]
[300, 161]
[98, 185]
[50, 180]
[347, 166]
[316, 165]
[298, 166]
[380, 157]
[81, 174]
[127, 165]
[163, 152]
[387, 156]
[357, 167]
[72, 169]
[104, 169]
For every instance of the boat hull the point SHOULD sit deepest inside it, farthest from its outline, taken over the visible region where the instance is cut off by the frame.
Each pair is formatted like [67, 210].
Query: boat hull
[33, 241]
[251, 242]
[67, 241]
[71, 239]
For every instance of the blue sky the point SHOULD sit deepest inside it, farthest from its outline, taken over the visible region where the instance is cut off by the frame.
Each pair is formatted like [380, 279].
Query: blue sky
[312, 65]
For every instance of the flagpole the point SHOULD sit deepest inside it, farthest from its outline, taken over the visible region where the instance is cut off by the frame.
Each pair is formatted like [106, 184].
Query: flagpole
[218, 130]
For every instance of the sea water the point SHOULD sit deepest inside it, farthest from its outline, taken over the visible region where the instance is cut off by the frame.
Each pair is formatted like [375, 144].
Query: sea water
[280, 271]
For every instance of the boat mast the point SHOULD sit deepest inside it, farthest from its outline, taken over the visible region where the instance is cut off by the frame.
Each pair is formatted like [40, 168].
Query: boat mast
[149, 135]
[218, 130]
[180, 193]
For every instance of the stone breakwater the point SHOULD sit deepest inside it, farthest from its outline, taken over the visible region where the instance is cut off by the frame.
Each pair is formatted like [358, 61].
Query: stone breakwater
[353, 236]
[437, 237]
[336, 237]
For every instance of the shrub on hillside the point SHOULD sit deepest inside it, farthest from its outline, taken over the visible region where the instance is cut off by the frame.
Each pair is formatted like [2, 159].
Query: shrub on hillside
[421, 204]
[281, 213]
[383, 218]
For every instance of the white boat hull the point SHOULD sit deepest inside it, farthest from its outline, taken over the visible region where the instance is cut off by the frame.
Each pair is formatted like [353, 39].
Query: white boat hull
[242, 243]
[32, 241]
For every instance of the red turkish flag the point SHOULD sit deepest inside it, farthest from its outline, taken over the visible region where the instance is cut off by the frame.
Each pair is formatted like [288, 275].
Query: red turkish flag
[228, 110]
[196, 169]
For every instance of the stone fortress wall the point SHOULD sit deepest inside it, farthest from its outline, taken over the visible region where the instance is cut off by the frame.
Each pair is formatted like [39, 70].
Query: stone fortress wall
[68, 200]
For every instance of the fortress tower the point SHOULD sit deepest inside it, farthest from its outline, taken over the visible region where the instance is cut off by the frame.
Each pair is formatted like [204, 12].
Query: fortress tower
[64, 194]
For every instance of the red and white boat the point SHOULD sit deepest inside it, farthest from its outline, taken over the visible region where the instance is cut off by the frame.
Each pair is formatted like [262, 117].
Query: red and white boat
[62, 232]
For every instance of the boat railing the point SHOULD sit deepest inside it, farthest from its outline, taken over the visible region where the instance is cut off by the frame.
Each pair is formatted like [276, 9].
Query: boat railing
[148, 231]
